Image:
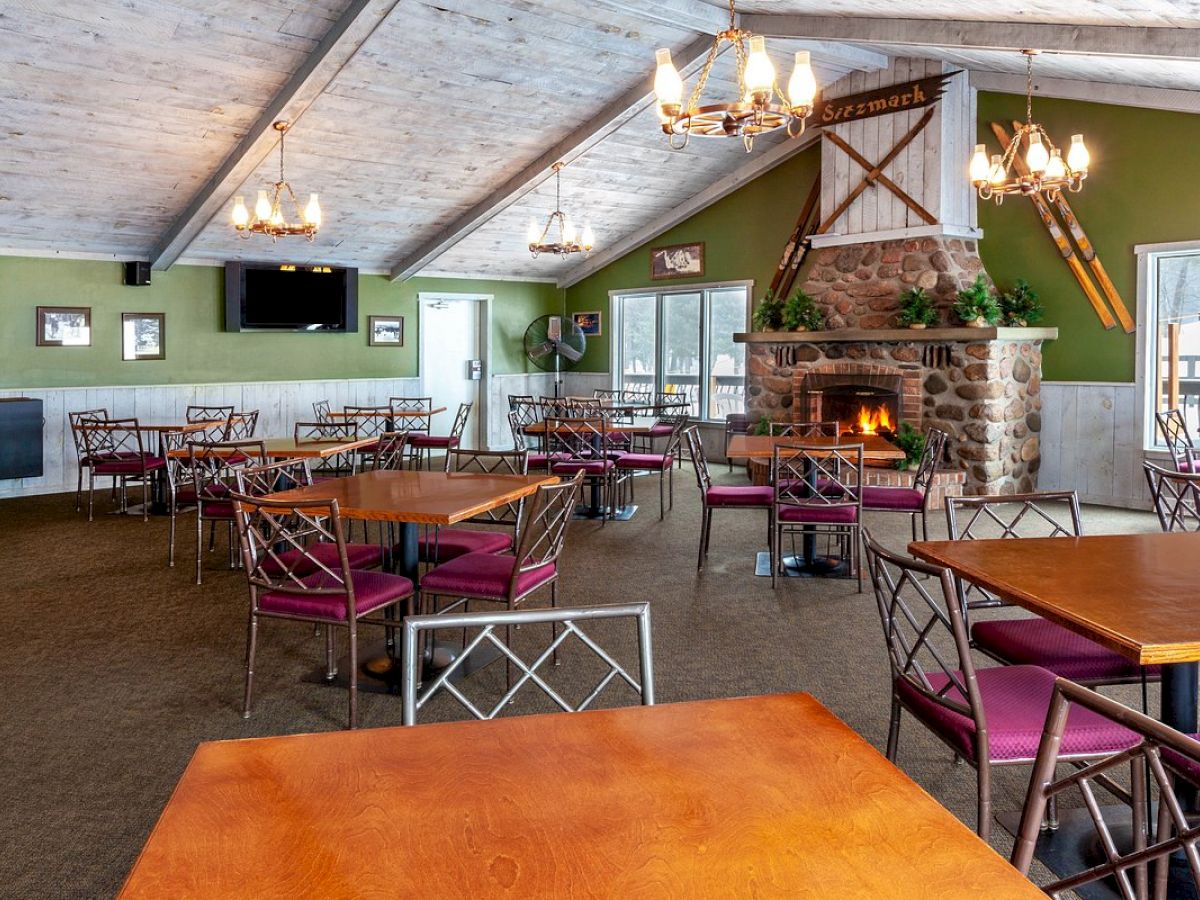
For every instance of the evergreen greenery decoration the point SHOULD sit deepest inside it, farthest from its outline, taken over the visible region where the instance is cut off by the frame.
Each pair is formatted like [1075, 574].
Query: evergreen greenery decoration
[1020, 306]
[912, 442]
[977, 304]
[769, 314]
[917, 309]
[800, 313]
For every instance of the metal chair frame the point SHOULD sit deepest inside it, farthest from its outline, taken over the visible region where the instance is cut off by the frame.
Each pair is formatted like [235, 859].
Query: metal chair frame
[268, 528]
[266, 478]
[1173, 427]
[412, 424]
[801, 430]
[456, 432]
[391, 452]
[817, 477]
[735, 423]
[242, 425]
[212, 465]
[321, 411]
[666, 474]
[219, 415]
[336, 464]
[1172, 832]
[1176, 497]
[517, 426]
[116, 440]
[704, 482]
[487, 624]
[75, 419]
[931, 455]
[583, 439]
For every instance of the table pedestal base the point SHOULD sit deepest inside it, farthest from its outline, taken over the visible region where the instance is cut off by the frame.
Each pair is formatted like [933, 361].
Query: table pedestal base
[796, 567]
[622, 514]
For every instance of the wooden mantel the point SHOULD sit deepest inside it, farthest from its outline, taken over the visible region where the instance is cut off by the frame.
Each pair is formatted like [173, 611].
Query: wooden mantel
[894, 335]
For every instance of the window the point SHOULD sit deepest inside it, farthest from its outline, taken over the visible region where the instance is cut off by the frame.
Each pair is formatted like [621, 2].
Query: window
[1170, 354]
[681, 341]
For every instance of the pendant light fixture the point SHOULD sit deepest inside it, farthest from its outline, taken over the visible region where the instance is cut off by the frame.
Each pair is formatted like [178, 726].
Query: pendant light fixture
[268, 217]
[566, 242]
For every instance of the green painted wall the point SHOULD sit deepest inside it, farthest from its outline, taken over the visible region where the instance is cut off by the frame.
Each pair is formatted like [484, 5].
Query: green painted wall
[743, 233]
[199, 351]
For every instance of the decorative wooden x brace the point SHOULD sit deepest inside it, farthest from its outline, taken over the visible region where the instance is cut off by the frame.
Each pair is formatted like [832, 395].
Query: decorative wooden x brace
[875, 174]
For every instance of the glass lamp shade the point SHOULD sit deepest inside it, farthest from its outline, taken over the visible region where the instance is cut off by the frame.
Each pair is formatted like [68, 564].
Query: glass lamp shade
[241, 215]
[587, 238]
[262, 207]
[760, 72]
[802, 87]
[312, 212]
[568, 231]
[668, 86]
[1078, 157]
[1055, 167]
[980, 166]
[997, 175]
[533, 234]
[1037, 157]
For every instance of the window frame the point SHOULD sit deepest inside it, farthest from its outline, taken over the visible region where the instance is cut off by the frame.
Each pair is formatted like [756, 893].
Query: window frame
[660, 292]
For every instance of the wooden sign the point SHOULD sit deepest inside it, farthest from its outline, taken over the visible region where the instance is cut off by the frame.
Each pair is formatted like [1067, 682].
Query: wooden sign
[881, 101]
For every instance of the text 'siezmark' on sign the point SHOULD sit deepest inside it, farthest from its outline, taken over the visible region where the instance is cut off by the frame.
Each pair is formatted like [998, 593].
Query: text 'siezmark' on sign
[881, 101]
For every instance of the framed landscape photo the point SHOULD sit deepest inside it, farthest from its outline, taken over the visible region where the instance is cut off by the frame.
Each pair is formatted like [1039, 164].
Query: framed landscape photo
[143, 336]
[588, 322]
[677, 261]
[385, 331]
[64, 326]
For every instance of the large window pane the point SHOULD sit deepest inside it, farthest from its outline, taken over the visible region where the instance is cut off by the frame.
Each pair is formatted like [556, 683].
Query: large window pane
[639, 343]
[726, 360]
[681, 346]
[1178, 337]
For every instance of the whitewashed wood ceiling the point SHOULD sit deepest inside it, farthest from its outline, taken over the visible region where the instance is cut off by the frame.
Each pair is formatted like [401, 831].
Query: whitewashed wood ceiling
[115, 113]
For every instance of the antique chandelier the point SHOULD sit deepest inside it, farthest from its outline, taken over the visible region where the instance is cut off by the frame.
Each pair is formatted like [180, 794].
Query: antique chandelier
[540, 240]
[760, 105]
[268, 215]
[1042, 169]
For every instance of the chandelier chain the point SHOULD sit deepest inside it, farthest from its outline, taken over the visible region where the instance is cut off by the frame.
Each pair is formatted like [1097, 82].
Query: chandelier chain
[1029, 88]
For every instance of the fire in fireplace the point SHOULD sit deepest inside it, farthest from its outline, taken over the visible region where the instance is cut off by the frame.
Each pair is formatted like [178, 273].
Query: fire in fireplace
[859, 408]
[873, 420]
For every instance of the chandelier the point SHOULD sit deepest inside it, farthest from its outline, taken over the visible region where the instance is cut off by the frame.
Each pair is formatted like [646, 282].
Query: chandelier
[567, 243]
[268, 215]
[1042, 169]
[760, 107]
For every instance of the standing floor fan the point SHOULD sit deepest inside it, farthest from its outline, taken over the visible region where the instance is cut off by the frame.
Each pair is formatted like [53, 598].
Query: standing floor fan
[554, 344]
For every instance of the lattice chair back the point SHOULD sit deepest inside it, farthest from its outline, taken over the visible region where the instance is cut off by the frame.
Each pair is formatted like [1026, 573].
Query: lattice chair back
[179, 470]
[1175, 432]
[372, 420]
[391, 452]
[555, 407]
[517, 427]
[460, 420]
[526, 410]
[321, 411]
[602, 394]
[925, 632]
[411, 406]
[695, 447]
[78, 418]
[492, 628]
[217, 415]
[678, 423]
[111, 440]
[1041, 514]
[213, 464]
[804, 429]
[1155, 748]
[1176, 497]
[821, 478]
[576, 437]
[932, 454]
[259, 480]
[242, 425]
[492, 462]
[342, 463]
[543, 530]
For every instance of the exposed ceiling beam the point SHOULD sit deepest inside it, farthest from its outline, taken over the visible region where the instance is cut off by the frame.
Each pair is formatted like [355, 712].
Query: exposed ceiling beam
[604, 123]
[1086, 40]
[710, 195]
[696, 15]
[858, 58]
[1090, 91]
[335, 49]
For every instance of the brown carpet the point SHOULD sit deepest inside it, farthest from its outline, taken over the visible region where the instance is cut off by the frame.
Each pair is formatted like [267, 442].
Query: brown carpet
[116, 667]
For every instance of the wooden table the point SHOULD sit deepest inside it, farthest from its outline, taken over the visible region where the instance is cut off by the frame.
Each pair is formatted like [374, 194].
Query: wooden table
[639, 425]
[1132, 593]
[289, 448]
[762, 796]
[394, 414]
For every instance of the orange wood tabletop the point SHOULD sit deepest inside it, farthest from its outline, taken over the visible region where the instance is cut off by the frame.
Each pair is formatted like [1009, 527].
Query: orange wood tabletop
[398, 413]
[762, 446]
[288, 448]
[183, 427]
[635, 425]
[430, 498]
[757, 797]
[1133, 593]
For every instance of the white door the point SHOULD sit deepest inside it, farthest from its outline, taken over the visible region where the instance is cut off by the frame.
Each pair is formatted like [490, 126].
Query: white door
[451, 339]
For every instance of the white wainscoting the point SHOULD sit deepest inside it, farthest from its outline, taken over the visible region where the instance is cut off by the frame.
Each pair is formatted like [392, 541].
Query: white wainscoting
[1091, 443]
[538, 384]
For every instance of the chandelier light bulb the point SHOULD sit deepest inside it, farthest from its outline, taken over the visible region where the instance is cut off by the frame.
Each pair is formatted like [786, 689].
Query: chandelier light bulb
[980, 167]
[802, 87]
[587, 239]
[276, 216]
[668, 86]
[1078, 157]
[241, 215]
[1038, 157]
[997, 175]
[262, 207]
[533, 233]
[568, 231]
[760, 72]
[1055, 167]
[312, 212]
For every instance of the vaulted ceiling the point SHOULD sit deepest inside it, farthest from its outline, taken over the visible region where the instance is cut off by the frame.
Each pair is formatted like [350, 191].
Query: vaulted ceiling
[429, 126]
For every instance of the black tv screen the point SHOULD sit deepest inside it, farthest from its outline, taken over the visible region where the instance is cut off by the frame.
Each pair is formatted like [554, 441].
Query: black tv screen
[272, 297]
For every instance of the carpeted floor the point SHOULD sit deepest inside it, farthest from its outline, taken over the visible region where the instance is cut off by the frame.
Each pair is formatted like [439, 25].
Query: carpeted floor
[116, 667]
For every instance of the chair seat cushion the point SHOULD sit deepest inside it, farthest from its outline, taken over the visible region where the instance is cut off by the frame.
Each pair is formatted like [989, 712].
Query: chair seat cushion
[432, 440]
[656, 461]
[372, 590]
[360, 556]
[740, 495]
[482, 575]
[661, 431]
[216, 509]
[1015, 700]
[587, 466]
[819, 514]
[128, 465]
[451, 543]
[892, 498]
[1040, 642]
[1185, 766]
[187, 493]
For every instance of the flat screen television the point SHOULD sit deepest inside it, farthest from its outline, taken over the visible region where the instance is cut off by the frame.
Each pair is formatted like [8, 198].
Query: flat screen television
[273, 297]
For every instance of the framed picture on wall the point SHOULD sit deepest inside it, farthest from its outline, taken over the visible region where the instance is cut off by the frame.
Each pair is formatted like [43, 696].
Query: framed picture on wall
[677, 261]
[64, 326]
[143, 336]
[385, 331]
[588, 322]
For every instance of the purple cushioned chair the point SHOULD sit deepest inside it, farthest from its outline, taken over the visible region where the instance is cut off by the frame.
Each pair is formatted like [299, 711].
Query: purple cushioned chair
[724, 496]
[75, 419]
[211, 467]
[411, 414]
[1175, 432]
[576, 445]
[114, 449]
[427, 443]
[662, 463]
[913, 501]
[1176, 497]
[293, 574]
[1033, 640]
[989, 717]
[1158, 752]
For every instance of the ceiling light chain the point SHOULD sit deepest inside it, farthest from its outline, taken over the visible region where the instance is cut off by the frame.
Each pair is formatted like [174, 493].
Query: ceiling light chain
[539, 241]
[1043, 168]
[268, 215]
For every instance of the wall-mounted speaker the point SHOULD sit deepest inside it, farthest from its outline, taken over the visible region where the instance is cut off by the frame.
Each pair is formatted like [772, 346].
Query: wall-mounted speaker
[137, 273]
